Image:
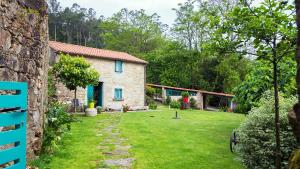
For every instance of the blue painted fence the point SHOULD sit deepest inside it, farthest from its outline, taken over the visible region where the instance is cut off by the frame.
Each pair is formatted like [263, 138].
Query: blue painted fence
[13, 111]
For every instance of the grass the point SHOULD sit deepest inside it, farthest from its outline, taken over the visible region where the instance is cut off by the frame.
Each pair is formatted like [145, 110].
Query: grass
[78, 149]
[199, 139]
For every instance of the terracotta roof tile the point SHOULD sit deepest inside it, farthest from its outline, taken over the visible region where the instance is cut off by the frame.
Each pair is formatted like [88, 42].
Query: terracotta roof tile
[93, 52]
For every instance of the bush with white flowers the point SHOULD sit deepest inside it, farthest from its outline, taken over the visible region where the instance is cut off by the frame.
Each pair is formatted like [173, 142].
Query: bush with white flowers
[257, 134]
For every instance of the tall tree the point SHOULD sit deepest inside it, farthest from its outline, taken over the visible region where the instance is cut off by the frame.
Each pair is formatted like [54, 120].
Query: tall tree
[294, 116]
[74, 25]
[270, 28]
[134, 32]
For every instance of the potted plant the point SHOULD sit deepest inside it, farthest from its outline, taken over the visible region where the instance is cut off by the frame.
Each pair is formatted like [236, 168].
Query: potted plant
[91, 103]
[185, 100]
[185, 97]
[125, 108]
[91, 110]
[99, 109]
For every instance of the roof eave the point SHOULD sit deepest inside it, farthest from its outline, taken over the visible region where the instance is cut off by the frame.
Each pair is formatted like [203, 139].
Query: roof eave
[99, 57]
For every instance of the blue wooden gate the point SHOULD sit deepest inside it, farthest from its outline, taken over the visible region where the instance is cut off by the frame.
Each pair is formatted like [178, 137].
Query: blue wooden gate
[13, 111]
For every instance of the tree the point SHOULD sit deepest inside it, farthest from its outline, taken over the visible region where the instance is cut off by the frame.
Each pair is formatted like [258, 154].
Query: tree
[294, 116]
[185, 26]
[260, 79]
[133, 31]
[75, 72]
[74, 25]
[270, 29]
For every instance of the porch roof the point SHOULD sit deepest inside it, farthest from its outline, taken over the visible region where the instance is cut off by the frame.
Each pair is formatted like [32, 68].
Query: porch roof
[191, 90]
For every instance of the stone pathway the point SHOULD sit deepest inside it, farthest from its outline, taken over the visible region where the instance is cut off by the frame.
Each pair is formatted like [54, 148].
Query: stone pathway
[115, 149]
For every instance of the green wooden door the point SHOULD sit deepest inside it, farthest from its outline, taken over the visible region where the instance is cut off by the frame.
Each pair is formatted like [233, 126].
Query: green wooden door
[90, 93]
[100, 94]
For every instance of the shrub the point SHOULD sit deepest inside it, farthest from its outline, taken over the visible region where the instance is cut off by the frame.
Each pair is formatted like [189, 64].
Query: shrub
[168, 100]
[153, 105]
[224, 109]
[57, 123]
[257, 134]
[125, 108]
[99, 109]
[193, 103]
[148, 100]
[240, 108]
[150, 91]
[185, 94]
[180, 100]
[175, 104]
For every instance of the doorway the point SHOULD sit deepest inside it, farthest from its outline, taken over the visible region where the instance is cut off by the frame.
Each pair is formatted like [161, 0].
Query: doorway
[98, 94]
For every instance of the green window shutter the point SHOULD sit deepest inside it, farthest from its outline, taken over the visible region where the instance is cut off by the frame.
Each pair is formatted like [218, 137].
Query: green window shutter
[118, 66]
[118, 94]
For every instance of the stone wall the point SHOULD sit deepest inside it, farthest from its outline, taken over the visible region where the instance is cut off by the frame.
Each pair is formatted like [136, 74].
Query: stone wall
[24, 57]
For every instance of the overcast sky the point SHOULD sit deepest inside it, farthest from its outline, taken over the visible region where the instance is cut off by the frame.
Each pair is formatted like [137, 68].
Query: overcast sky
[107, 7]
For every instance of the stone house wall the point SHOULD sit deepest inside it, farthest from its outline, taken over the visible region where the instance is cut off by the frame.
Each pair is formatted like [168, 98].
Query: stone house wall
[24, 57]
[131, 80]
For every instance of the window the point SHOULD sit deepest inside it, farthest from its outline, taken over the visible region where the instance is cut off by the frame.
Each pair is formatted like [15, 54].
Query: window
[118, 94]
[119, 66]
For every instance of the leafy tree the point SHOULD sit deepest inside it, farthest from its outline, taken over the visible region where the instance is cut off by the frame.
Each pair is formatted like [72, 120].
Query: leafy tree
[260, 79]
[74, 25]
[295, 114]
[185, 26]
[75, 72]
[270, 29]
[231, 71]
[133, 31]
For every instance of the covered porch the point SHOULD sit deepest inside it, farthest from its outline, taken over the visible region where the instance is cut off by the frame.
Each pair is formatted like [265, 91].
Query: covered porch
[202, 97]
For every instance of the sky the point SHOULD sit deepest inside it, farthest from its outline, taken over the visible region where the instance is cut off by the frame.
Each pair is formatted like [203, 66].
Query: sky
[108, 7]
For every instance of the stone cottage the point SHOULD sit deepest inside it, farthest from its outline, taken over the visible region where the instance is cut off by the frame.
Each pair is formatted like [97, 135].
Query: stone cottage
[122, 77]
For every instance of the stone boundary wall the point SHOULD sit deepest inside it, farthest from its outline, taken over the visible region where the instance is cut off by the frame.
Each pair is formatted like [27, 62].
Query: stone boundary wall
[24, 57]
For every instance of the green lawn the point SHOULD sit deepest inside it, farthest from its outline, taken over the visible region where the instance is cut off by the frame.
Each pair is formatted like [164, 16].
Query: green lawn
[198, 140]
[78, 149]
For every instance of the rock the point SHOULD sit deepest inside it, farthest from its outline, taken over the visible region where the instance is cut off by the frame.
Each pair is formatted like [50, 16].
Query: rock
[123, 147]
[5, 39]
[117, 152]
[124, 162]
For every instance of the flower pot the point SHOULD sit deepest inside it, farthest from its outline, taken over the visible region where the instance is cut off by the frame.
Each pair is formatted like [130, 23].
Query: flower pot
[185, 99]
[91, 112]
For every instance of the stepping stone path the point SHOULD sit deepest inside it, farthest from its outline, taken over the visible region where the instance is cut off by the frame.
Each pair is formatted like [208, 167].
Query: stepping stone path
[113, 146]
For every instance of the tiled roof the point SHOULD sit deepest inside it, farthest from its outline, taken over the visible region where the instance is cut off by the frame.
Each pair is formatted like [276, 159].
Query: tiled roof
[192, 90]
[93, 52]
